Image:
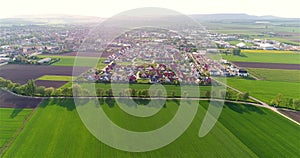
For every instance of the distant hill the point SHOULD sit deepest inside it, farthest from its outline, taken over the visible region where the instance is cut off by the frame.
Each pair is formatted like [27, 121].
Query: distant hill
[76, 19]
[51, 19]
[237, 17]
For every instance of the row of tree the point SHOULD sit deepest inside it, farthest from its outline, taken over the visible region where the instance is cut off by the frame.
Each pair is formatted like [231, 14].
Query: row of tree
[286, 102]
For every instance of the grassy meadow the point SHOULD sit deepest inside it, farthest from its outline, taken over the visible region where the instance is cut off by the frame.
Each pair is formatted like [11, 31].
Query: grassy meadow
[267, 90]
[241, 131]
[275, 74]
[265, 57]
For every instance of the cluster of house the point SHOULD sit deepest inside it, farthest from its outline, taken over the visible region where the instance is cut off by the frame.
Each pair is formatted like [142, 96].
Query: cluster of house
[29, 39]
[150, 58]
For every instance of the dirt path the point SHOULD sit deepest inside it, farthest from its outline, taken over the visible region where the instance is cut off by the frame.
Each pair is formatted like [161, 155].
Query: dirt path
[263, 104]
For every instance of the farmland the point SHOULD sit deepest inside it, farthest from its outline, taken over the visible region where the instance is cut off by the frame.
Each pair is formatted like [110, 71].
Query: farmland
[268, 65]
[283, 58]
[276, 74]
[9, 100]
[267, 90]
[70, 60]
[242, 131]
[55, 78]
[11, 120]
[22, 73]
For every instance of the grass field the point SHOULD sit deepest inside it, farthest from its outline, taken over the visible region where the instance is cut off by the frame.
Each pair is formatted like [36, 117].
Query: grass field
[69, 61]
[276, 75]
[284, 58]
[56, 130]
[55, 78]
[267, 90]
[11, 120]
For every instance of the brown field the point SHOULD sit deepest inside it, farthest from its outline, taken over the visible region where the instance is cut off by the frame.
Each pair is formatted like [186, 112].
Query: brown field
[22, 73]
[9, 100]
[54, 84]
[87, 54]
[268, 65]
[295, 115]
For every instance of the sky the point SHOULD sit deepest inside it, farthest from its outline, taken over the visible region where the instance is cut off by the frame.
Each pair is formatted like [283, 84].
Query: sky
[107, 8]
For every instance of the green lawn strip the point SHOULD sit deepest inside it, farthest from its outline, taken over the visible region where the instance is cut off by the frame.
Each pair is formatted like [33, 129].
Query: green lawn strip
[275, 74]
[80, 61]
[288, 58]
[55, 78]
[11, 120]
[267, 90]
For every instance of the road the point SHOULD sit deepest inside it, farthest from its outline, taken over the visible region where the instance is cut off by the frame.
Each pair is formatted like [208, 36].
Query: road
[261, 104]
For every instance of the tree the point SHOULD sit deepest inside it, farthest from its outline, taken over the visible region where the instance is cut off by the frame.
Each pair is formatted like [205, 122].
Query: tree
[100, 92]
[40, 90]
[109, 92]
[159, 93]
[30, 88]
[296, 104]
[278, 99]
[236, 51]
[133, 92]
[223, 93]
[49, 91]
[173, 94]
[245, 96]
[207, 94]
[77, 90]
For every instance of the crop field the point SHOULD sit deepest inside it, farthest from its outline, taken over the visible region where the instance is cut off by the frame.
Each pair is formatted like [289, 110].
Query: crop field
[275, 74]
[86, 54]
[8, 100]
[55, 78]
[69, 61]
[22, 73]
[267, 90]
[11, 120]
[283, 58]
[267, 65]
[242, 131]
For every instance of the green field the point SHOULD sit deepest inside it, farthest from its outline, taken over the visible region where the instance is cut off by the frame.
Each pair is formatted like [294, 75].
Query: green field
[11, 120]
[56, 130]
[288, 58]
[276, 75]
[69, 61]
[267, 90]
[55, 78]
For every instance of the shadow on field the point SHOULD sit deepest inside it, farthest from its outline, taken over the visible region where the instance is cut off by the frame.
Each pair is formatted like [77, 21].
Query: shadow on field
[66, 103]
[16, 112]
[110, 102]
[244, 108]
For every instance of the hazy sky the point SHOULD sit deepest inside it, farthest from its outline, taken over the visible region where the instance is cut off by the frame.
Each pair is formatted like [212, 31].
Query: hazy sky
[106, 8]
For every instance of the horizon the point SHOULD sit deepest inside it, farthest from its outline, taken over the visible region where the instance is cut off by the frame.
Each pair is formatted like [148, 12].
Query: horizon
[114, 7]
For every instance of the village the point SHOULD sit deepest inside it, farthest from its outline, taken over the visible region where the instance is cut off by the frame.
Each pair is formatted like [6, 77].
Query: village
[161, 56]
